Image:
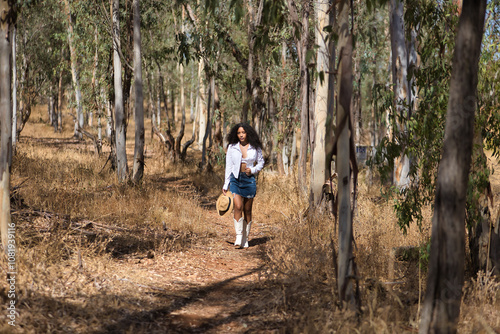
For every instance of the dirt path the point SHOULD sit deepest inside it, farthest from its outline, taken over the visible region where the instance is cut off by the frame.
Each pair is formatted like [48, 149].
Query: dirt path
[209, 287]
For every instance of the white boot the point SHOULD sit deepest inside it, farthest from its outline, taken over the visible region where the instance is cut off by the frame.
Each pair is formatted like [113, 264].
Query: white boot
[246, 234]
[238, 227]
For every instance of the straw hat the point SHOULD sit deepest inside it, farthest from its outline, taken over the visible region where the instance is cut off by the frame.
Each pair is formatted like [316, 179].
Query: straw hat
[225, 204]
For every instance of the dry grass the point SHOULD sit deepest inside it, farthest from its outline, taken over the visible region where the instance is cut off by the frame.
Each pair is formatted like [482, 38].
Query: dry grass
[79, 231]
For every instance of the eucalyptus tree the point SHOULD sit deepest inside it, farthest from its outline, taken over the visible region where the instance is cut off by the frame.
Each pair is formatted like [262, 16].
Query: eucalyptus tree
[168, 52]
[199, 27]
[120, 127]
[75, 71]
[483, 230]
[299, 18]
[8, 10]
[180, 135]
[435, 26]
[254, 15]
[201, 102]
[250, 36]
[322, 123]
[41, 49]
[206, 38]
[441, 308]
[401, 87]
[371, 51]
[346, 265]
[138, 167]
[179, 56]
[127, 54]
[14, 89]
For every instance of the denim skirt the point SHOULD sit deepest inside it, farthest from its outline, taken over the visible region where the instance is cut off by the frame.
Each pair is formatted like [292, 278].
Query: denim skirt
[244, 185]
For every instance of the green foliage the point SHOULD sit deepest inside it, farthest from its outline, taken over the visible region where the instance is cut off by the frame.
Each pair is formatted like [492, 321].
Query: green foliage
[372, 5]
[42, 47]
[489, 81]
[434, 24]
[370, 58]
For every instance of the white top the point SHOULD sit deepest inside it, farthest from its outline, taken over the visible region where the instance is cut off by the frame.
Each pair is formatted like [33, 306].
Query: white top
[254, 161]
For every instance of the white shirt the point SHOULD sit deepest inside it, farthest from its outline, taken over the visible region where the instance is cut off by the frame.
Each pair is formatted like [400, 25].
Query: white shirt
[255, 161]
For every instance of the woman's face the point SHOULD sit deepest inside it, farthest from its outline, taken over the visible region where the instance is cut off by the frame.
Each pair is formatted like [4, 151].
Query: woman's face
[242, 135]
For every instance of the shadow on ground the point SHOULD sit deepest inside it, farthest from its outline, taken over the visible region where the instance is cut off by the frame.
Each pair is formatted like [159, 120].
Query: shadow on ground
[156, 313]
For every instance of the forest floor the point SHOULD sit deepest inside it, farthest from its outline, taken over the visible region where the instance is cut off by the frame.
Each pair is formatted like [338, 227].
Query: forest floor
[207, 286]
[99, 257]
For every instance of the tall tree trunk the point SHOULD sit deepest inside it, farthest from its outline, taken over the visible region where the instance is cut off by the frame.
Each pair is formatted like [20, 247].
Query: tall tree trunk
[400, 83]
[494, 247]
[25, 101]
[271, 135]
[109, 118]
[205, 164]
[95, 93]
[202, 104]
[172, 105]
[445, 279]
[479, 220]
[191, 106]
[74, 73]
[293, 149]
[330, 117]
[218, 116]
[158, 98]
[253, 77]
[150, 111]
[170, 140]
[60, 94]
[318, 169]
[52, 107]
[357, 103]
[302, 43]
[194, 119]
[121, 154]
[180, 135]
[281, 125]
[247, 102]
[6, 24]
[191, 103]
[138, 169]
[127, 70]
[374, 122]
[164, 98]
[344, 72]
[14, 90]
[99, 127]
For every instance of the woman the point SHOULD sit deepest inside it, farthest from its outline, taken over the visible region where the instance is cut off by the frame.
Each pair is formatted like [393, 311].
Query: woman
[243, 161]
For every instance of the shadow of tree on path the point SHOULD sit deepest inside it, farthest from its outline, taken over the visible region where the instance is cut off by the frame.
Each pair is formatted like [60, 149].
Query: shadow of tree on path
[161, 318]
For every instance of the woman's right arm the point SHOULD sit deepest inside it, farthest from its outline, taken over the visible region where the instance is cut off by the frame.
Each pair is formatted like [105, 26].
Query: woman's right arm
[228, 169]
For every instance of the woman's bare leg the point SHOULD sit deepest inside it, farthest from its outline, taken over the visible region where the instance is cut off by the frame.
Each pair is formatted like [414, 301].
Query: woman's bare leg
[247, 207]
[238, 207]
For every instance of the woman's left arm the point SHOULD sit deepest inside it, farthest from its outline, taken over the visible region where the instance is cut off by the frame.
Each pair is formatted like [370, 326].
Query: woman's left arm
[260, 163]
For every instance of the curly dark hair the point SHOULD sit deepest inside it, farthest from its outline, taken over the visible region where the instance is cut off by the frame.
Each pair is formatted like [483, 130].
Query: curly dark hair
[252, 136]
